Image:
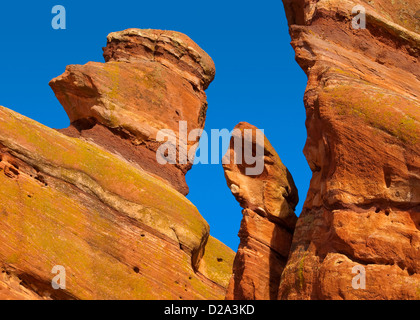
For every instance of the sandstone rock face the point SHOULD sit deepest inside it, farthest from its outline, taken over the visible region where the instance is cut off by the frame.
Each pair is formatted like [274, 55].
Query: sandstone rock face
[119, 231]
[269, 200]
[151, 81]
[363, 112]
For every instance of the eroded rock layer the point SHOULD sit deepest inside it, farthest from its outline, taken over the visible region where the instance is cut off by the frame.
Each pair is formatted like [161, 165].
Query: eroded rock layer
[269, 200]
[151, 81]
[363, 112]
[73, 201]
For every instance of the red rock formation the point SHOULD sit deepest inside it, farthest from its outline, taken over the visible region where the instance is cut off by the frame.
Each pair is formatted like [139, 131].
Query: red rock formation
[119, 231]
[269, 200]
[362, 105]
[151, 81]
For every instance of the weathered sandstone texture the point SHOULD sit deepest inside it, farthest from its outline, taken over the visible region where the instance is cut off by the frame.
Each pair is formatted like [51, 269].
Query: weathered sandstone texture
[151, 81]
[363, 112]
[120, 231]
[268, 200]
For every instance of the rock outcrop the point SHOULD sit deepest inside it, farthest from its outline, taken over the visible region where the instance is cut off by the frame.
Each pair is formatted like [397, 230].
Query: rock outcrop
[268, 200]
[119, 227]
[363, 112]
[151, 81]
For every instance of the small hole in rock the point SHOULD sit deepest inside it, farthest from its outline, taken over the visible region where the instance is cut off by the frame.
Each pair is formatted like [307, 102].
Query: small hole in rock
[15, 165]
[387, 212]
[136, 269]
[14, 171]
[387, 176]
[219, 259]
[378, 210]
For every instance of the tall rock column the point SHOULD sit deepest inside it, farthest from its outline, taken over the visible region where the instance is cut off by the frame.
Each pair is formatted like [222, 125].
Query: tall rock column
[269, 200]
[361, 217]
[152, 80]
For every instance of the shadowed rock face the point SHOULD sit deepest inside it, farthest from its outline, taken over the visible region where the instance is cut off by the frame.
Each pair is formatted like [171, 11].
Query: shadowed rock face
[151, 81]
[74, 200]
[269, 200]
[363, 112]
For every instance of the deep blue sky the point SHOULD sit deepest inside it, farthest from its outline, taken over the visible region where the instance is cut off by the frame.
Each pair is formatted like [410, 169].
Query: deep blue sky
[257, 79]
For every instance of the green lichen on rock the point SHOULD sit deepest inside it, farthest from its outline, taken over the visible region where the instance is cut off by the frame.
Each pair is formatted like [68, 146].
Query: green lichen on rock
[54, 228]
[217, 262]
[113, 180]
[388, 112]
[80, 221]
[300, 271]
